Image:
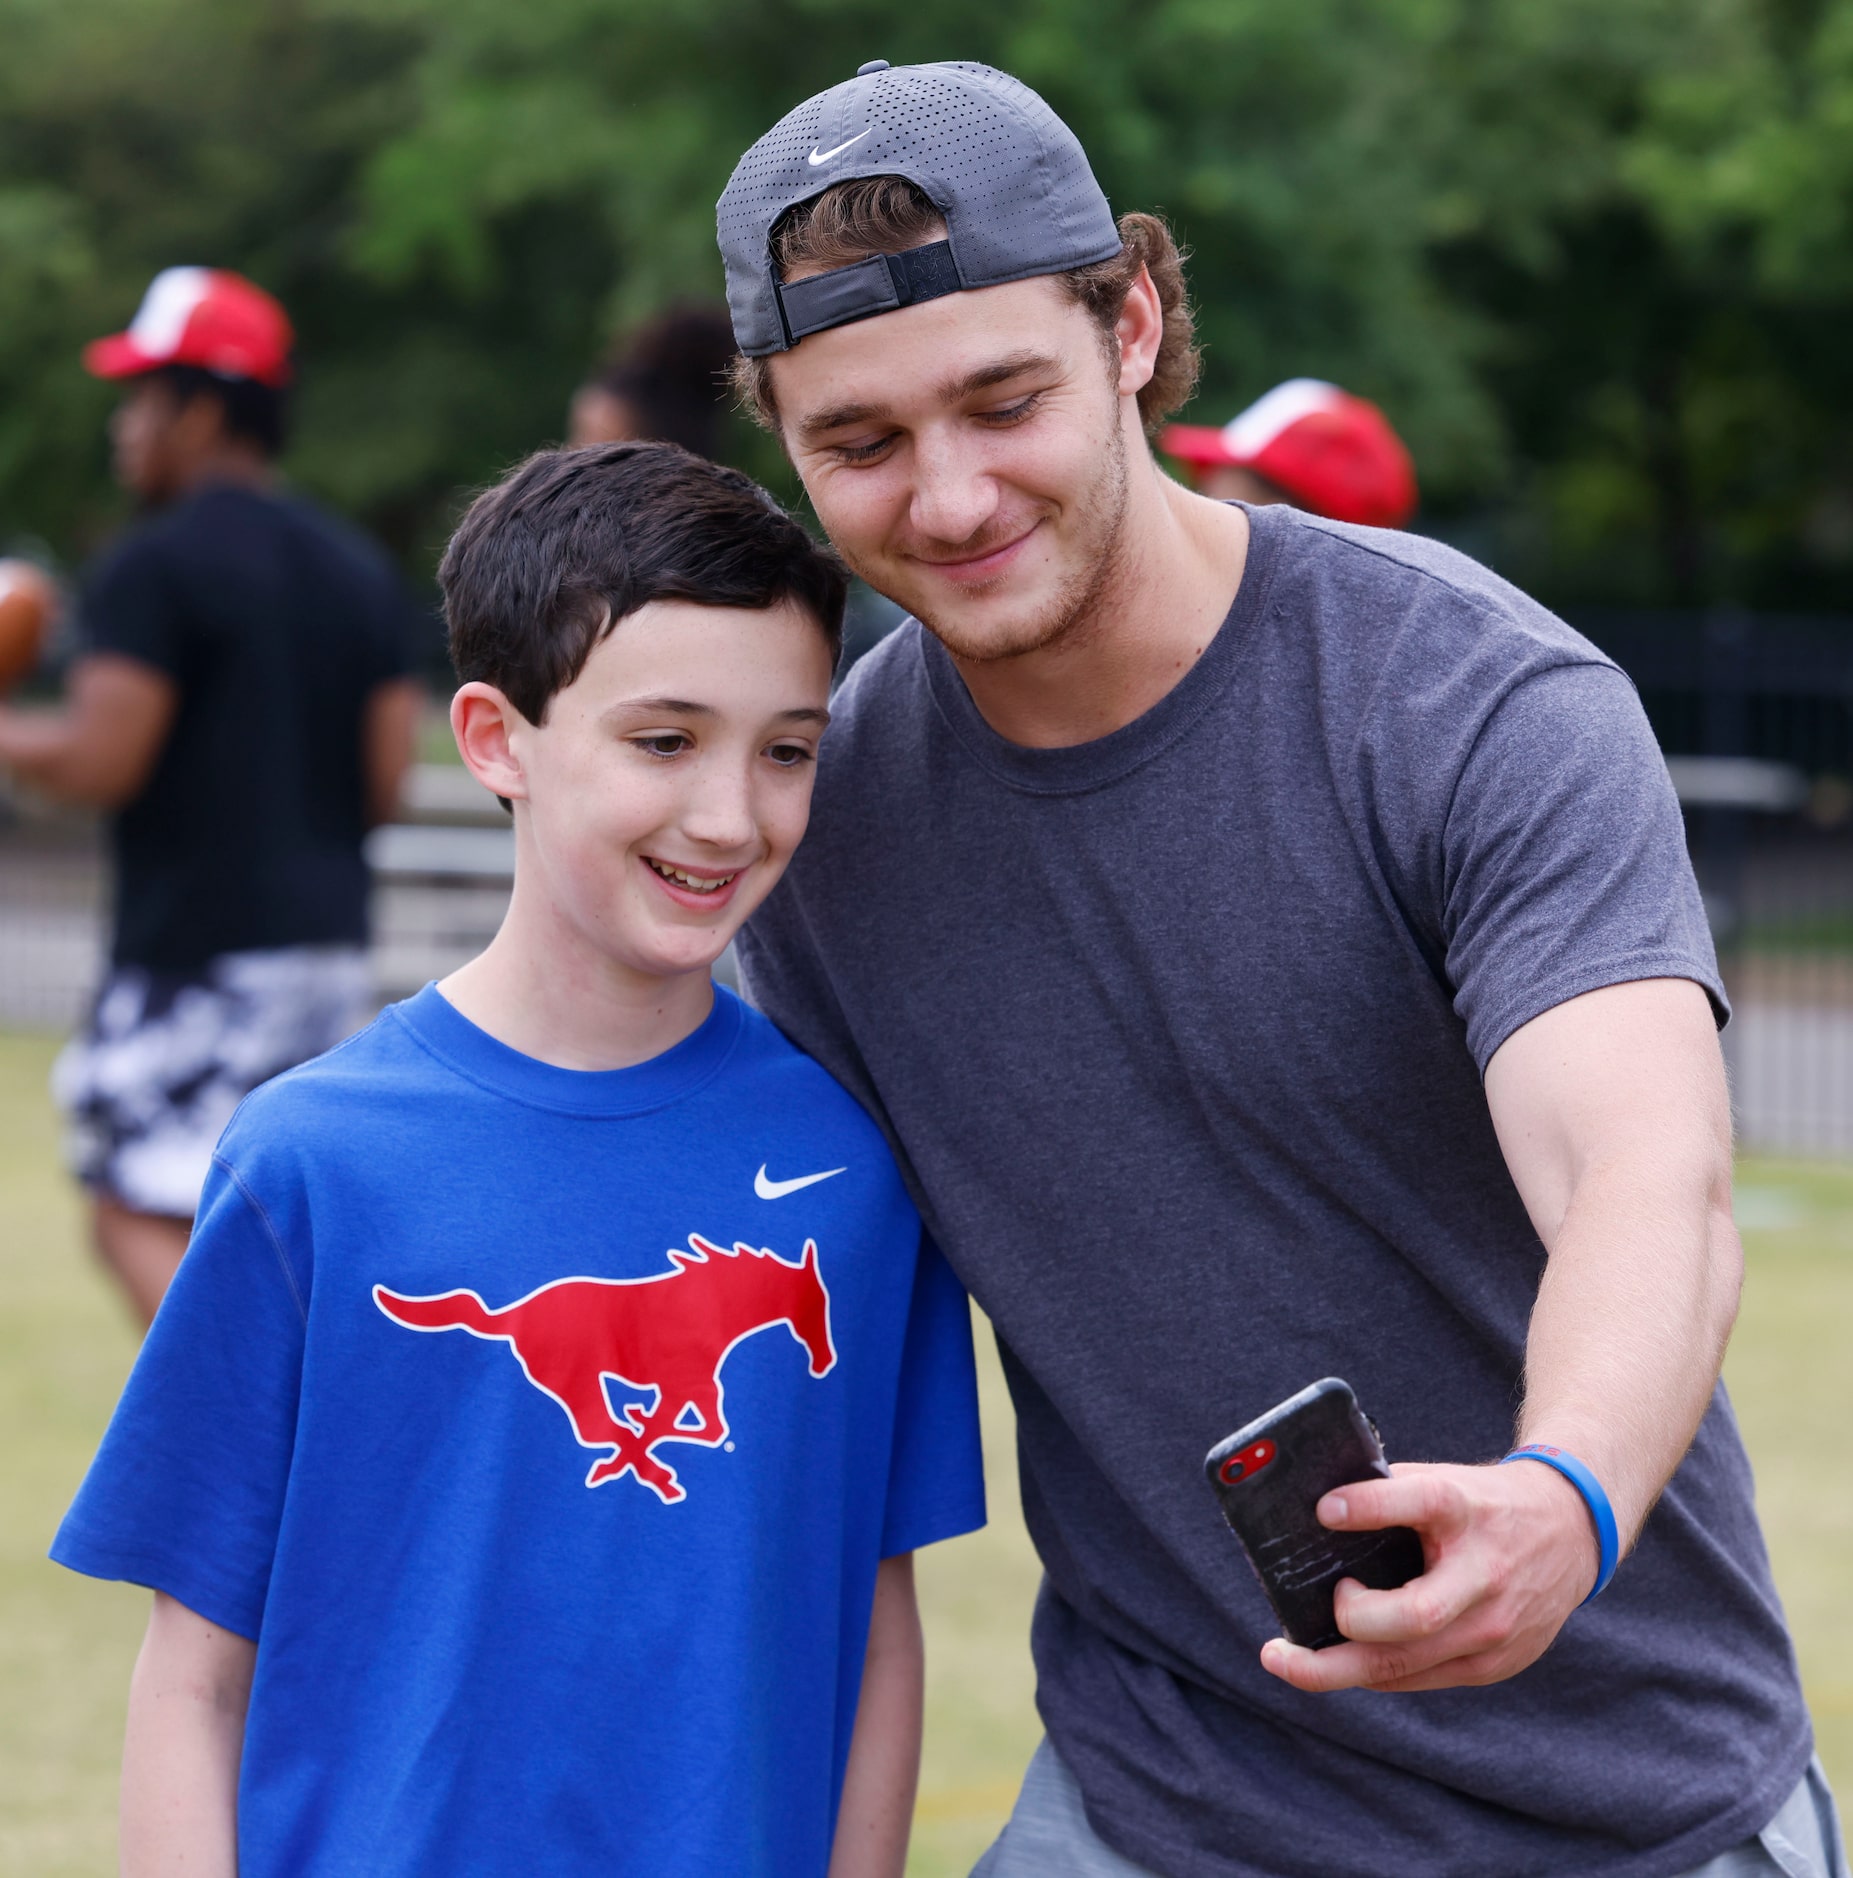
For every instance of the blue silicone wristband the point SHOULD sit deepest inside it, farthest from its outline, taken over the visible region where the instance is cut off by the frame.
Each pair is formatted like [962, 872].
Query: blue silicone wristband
[1608, 1539]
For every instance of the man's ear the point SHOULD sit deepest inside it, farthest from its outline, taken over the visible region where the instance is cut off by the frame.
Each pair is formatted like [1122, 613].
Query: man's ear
[1139, 330]
[484, 724]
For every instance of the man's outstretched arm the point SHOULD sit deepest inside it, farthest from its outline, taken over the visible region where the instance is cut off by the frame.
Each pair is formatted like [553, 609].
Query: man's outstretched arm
[1614, 1119]
[100, 748]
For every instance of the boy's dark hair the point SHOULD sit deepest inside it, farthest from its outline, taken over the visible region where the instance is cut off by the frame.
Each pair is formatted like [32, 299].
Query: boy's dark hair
[259, 414]
[548, 561]
[889, 215]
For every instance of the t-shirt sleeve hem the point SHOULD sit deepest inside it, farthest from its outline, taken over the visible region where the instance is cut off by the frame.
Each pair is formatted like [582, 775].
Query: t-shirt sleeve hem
[1486, 1034]
[167, 666]
[926, 1526]
[231, 1608]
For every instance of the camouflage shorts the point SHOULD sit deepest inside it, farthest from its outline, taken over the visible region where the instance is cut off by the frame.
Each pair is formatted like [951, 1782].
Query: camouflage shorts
[150, 1082]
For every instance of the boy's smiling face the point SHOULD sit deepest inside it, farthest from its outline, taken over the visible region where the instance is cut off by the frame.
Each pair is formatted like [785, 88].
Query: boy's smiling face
[663, 795]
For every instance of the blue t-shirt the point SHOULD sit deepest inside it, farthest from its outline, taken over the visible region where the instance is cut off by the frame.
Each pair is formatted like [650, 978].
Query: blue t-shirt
[544, 1429]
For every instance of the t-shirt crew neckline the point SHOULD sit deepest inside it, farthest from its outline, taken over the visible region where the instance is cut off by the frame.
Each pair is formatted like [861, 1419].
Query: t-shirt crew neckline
[449, 1036]
[1071, 769]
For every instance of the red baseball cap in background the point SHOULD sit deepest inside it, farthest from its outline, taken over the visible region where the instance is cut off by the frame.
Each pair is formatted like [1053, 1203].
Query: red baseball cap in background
[1322, 448]
[200, 316]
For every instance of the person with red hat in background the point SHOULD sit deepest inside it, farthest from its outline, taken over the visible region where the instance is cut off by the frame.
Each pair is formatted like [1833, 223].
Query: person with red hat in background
[1306, 443]
[243, 709]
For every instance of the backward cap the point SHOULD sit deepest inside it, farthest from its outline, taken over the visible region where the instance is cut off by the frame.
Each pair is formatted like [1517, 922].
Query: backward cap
[1009, 177]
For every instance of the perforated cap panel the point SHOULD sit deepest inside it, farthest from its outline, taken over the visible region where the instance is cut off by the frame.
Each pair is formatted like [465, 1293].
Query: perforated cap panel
[1007, 174]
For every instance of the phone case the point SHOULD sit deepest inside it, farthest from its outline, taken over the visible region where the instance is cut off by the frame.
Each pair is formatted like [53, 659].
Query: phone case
[1269, 1477]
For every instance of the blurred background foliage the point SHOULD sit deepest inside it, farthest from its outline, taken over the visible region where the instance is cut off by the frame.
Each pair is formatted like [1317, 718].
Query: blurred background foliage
[1595, 257]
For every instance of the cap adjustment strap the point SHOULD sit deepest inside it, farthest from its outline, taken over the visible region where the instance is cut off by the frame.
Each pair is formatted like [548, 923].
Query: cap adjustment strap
[877, 285]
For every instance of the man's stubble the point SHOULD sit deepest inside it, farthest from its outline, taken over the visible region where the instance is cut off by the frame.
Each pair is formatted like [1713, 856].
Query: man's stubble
[1097, 525]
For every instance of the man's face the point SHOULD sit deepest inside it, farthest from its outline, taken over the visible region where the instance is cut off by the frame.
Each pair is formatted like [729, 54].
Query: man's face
[671, 780]
[141, 437]
[158, 440]
[968, 458]
[600, 416]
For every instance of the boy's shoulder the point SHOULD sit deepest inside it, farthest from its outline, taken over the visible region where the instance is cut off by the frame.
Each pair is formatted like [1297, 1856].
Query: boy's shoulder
[338, 1097]
[778, 1071]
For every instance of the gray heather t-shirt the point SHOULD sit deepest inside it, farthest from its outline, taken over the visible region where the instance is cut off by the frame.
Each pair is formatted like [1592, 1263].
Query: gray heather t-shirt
[1179, 1035]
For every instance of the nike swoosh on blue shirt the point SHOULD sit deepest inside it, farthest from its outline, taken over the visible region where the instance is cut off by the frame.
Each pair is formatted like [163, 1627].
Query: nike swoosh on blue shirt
[777, 1189]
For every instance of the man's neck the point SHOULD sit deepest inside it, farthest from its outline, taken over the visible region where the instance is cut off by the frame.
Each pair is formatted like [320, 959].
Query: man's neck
[1172, 588]
[241, 465]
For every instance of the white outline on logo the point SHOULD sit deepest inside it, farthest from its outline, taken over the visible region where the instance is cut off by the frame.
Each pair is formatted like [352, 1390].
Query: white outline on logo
[697, 1254]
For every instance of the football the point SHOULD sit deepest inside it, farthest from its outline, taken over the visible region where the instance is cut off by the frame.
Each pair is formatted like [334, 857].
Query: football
[27, 602]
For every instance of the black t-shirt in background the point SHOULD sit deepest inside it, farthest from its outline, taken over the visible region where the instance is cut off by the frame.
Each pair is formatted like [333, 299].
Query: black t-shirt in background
[275, 622]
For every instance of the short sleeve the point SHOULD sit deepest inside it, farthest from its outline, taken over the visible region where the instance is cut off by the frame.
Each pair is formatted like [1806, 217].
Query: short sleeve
[1564, 858]
[936, 1469]
[403, 631]
[129, 608]
[186, 1493]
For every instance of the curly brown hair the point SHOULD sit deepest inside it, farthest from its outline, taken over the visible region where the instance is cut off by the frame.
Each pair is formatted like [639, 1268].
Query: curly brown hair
[888, 215]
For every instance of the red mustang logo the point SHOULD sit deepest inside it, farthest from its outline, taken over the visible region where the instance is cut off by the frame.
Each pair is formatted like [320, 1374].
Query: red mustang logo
[664, 1336]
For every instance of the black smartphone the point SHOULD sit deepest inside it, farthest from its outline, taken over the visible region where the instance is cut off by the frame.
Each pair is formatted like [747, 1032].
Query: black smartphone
[1269, 1477]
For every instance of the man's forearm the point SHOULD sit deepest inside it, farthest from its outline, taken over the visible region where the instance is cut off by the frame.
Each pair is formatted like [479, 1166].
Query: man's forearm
[100, 747]
[1629, 1330]
[1616, 1124]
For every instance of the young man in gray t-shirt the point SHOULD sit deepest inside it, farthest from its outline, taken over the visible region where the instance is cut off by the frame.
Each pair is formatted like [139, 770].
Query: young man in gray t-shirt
[1271, 949]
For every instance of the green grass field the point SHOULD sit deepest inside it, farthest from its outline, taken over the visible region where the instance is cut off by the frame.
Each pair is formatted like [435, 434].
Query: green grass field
[66, 1644]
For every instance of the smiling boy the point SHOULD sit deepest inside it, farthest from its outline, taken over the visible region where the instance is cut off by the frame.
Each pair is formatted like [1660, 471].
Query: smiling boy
[615, 1581]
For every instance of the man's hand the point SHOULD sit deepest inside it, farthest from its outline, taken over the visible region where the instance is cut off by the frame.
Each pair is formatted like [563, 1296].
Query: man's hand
[1510, 1554]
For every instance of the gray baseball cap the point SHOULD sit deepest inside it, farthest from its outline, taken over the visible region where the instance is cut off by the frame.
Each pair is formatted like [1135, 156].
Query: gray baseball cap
[1008, 175]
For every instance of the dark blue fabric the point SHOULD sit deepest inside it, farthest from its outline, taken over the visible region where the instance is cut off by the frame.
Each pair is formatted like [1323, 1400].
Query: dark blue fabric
[1180, 1035]
[469, 1661]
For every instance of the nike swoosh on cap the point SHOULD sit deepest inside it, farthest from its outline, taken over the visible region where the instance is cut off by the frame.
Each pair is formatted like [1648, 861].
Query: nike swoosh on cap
[818, 156]
[777, 1189]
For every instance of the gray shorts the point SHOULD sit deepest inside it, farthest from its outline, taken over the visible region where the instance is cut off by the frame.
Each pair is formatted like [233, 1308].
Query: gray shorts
[1048, 1835]
[150, 1082]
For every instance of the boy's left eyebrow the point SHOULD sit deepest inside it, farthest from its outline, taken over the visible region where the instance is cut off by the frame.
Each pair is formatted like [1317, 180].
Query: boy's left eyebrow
[676, 707]
[685, 707]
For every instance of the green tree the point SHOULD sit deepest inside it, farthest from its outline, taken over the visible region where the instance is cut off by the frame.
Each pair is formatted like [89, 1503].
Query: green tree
[1591, 255]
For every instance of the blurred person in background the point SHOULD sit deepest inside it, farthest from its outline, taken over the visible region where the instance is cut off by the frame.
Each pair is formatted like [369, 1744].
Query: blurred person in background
[1306, 443]
[665, 382]
[243, 709]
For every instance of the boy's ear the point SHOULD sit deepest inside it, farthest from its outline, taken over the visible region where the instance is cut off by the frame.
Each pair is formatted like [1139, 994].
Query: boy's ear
[483, 722]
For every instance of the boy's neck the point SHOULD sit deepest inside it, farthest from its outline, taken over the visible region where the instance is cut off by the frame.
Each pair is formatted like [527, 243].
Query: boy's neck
[544, 992]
